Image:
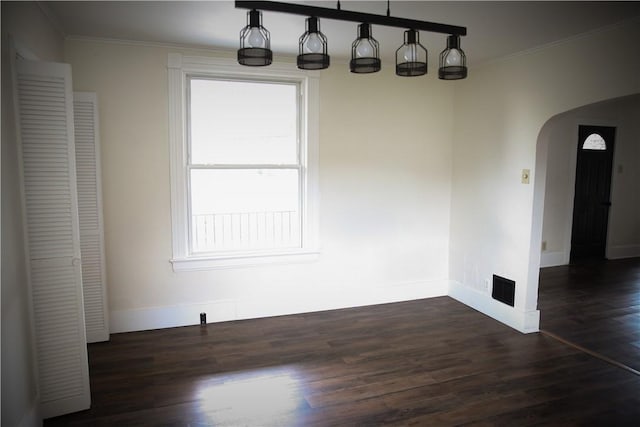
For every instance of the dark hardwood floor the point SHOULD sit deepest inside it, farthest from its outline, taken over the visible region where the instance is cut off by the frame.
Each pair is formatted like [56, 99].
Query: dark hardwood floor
[428, 362]
[595, 305]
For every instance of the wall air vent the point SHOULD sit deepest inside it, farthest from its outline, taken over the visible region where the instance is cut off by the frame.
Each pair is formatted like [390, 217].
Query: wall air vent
[504, 290]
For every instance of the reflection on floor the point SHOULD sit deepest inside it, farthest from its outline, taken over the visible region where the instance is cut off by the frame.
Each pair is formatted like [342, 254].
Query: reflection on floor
[595, 305]
[261, 394]
[428, 362]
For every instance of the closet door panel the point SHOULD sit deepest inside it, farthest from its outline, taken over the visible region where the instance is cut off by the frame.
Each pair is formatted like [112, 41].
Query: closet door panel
[85, 110]
[48, 182]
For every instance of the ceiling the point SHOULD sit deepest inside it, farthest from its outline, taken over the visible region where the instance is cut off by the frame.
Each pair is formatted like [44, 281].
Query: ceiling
[495, 29]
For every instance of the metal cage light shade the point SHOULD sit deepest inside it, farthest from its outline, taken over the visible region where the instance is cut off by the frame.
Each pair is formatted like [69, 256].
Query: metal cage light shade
[312, 47]
[365, 55]
[255, 42]
[411, 57]
[453, 61]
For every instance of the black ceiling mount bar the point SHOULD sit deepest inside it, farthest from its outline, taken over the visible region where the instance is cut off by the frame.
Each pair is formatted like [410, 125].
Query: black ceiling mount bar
[345, 15]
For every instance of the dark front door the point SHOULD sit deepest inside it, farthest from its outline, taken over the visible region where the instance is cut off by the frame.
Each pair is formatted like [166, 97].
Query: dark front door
[593, 184]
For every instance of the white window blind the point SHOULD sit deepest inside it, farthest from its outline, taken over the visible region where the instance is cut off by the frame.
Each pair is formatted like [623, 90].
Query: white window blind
[48, 181]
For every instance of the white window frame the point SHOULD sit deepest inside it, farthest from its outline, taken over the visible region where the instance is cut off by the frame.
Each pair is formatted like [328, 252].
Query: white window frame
[180, 67]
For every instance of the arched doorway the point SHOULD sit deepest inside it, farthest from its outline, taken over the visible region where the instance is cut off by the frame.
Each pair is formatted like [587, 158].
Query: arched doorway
[593, 305]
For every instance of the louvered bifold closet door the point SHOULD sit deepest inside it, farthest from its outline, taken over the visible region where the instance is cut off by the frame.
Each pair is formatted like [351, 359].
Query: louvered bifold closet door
[85, 113]
[45, 126]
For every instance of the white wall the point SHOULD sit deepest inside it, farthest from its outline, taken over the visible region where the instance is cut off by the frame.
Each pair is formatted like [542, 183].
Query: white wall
[500, 110]
[624, 229]
[389, 190]
[384, 175]
[31, 30]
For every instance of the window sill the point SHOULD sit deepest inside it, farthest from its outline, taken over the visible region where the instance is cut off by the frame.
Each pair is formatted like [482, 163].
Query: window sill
[215, 262]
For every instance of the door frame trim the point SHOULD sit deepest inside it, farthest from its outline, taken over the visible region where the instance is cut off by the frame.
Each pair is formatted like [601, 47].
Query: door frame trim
[573, 162]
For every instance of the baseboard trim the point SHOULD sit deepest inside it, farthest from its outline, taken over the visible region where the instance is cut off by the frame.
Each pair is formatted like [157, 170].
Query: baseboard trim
[327, 298]
[523, 321]
[623, 251]
[552, 259]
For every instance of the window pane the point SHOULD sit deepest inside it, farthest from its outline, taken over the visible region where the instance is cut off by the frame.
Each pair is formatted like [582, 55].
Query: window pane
[594, 142]
[244, 209]
[235, 122]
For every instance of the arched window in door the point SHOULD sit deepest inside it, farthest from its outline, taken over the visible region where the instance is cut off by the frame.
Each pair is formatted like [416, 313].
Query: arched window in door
[594, 142]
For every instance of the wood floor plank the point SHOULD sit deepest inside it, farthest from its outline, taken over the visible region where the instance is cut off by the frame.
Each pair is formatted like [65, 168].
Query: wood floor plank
[594, 305]
[424, 362]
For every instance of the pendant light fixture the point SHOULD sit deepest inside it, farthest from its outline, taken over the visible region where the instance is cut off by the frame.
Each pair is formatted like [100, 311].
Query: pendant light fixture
[411, 57]
[365, 55]
[453, 61]
[255, 43]
[312, 47]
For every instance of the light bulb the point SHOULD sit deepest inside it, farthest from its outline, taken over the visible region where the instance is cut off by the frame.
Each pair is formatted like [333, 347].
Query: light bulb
[255, 38]
[453, 58]
[314, 44]
[410, 53]
[364, 49]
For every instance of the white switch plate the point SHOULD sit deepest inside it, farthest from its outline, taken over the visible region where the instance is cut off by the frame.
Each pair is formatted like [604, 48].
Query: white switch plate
[525, 176]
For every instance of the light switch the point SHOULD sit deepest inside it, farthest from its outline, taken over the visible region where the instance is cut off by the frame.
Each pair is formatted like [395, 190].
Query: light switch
[525, 176]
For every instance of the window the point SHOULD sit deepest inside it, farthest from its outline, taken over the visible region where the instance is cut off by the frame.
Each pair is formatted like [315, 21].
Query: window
[243, 164]
[594, 142]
